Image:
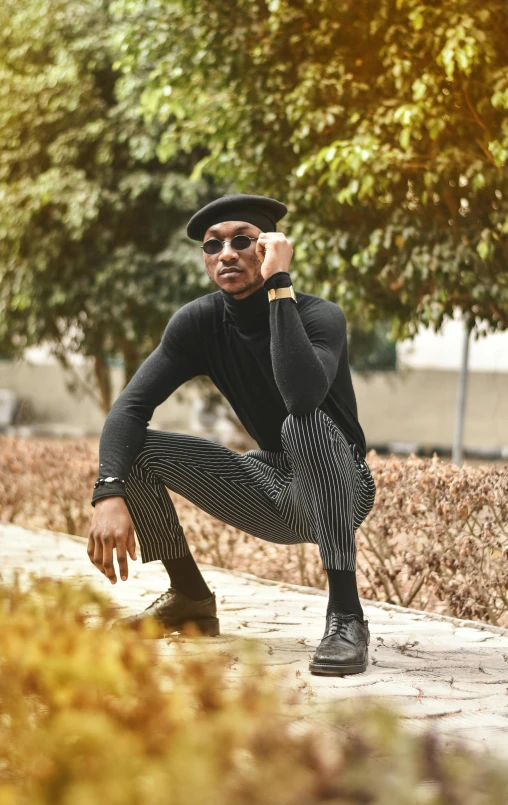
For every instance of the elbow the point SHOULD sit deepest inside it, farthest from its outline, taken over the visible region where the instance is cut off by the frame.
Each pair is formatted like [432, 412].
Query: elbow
[299, 410]
[304, 405]
[303, 397]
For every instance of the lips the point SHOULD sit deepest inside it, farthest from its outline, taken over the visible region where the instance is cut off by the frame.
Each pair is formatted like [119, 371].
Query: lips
[229, 271]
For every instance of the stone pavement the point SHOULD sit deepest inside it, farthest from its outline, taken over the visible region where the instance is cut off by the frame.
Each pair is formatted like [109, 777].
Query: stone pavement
[431, 668]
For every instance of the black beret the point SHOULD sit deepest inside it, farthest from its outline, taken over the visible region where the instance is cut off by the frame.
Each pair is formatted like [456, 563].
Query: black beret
[261, 211]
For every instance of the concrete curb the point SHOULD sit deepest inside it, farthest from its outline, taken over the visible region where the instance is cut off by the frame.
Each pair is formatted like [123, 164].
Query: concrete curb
[422, 614]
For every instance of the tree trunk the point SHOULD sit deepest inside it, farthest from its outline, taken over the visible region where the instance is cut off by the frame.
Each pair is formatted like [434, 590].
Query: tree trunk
[103, 378]
[78, 385]
[131, 360]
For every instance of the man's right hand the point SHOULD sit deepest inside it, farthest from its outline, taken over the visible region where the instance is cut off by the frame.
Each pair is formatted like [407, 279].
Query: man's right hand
[112, 527]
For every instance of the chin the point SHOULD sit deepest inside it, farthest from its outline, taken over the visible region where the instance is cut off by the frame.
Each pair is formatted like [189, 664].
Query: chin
[236, 291]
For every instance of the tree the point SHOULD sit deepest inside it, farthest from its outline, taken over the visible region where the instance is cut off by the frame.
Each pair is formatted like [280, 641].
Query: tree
[381, 123]
[93, 254]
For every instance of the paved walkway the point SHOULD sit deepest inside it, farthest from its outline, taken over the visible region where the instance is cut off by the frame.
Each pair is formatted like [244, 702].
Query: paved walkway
[432, 668]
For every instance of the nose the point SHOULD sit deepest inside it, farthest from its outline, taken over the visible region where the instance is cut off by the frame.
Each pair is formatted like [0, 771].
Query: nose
[228, 253]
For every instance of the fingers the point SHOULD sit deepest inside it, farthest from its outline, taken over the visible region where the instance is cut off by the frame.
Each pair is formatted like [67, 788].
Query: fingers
[122, 560]
[101, 546]
[90, 548]
[107, 559]
[97, 555]
[131, 544]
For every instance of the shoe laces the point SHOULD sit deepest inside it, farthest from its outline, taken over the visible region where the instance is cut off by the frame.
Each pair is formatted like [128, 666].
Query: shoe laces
[338, 624]
[160, 598]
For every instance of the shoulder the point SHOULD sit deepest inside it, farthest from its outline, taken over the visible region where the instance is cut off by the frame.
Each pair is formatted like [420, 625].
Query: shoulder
[192, 313]
[185, 326]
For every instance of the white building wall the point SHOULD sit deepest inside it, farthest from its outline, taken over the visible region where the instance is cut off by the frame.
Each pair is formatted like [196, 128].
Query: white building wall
[443, 350]
[416, 404]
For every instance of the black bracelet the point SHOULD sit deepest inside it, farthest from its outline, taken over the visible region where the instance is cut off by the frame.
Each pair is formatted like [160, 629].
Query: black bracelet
[108, 480]
[280, 279]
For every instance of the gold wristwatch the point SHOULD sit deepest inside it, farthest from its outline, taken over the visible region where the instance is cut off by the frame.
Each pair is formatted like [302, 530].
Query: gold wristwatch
[279, 293]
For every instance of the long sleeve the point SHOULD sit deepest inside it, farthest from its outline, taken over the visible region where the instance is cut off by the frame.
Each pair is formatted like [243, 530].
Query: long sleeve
[305, 350]
[173, 361]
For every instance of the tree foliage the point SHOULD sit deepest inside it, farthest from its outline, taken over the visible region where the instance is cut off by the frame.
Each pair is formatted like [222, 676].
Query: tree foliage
[93, 255]
[381, 123]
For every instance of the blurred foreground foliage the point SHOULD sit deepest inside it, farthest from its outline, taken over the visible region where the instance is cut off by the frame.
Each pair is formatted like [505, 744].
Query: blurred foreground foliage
[436, 538]
[90, 714]
[381, 123]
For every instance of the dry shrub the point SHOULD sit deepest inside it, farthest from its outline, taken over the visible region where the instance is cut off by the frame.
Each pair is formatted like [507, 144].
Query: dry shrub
[47, 483]
[222, 545]
[94, 714]
[436, 539]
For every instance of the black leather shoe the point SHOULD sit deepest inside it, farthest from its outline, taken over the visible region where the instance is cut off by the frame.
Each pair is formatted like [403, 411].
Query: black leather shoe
[343, 648]
[173, 611]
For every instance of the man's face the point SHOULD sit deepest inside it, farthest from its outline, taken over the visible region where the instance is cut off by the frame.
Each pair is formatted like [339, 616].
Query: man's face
[245, 265]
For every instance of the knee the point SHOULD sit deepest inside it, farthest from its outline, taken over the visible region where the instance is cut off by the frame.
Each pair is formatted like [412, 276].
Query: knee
[302, 431]
[145, 463]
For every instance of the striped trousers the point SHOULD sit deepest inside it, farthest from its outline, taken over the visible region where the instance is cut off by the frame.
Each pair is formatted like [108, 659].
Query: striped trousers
[317, 489]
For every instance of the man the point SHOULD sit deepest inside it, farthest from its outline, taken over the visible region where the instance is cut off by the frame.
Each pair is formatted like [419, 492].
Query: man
[280, 358]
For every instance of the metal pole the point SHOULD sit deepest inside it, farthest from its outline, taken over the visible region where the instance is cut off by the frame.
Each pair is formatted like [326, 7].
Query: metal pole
[461, 401]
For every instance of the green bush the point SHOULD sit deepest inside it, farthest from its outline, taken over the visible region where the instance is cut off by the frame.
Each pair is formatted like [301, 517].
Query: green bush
[93, 714]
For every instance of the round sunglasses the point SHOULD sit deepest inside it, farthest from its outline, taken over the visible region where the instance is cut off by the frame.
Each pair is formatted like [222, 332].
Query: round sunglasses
[239, 243]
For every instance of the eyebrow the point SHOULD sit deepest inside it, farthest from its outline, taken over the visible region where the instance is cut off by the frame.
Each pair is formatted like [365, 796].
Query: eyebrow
[214, 231]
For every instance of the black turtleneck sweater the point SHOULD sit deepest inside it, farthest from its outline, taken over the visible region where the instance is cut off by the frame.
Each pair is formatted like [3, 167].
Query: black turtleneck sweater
[267, 358]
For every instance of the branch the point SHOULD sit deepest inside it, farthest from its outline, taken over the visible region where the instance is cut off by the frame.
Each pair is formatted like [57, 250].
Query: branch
[486, 152]
[474, 112]
[381, 568]
[414, 166]
[69, 367]
[369, 563]
[415, 589]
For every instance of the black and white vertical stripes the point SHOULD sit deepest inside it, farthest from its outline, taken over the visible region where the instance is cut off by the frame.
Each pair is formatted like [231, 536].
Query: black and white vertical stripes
[317, 489]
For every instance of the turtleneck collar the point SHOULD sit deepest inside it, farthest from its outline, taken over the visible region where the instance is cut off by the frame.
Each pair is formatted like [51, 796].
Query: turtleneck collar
[251, 313]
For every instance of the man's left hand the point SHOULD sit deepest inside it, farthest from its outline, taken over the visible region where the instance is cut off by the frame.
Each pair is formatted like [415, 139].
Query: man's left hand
[275, 252]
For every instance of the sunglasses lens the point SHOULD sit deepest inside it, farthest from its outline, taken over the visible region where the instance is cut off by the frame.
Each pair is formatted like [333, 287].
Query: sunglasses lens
[240, 242]
[212, 246]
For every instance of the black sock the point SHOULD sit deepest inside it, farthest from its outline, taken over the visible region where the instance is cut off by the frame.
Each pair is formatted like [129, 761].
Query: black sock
[185, 577]
[343, 592]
